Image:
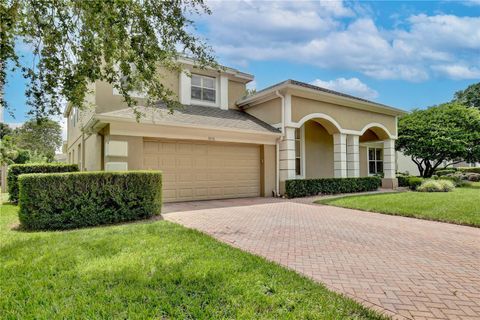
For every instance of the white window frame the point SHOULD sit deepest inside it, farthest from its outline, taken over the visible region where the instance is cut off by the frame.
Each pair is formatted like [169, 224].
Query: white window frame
[301, 140]
[375, 160]
[205, 102]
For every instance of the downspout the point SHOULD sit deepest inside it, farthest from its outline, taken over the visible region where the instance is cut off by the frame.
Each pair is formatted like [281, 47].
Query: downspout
[277, 145]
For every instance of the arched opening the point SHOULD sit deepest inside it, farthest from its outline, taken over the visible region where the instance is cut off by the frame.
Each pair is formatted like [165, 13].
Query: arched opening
[371, 150]
[315, 148]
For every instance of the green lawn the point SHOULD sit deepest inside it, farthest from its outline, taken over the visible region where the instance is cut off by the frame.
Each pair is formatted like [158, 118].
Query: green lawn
[147, 270]
[461, 206]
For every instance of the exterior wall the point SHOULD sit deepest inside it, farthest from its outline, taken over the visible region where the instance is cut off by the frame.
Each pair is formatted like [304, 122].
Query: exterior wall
[269, 111]
[405, 164]
[74, 132]
[93, 153]
[236, 90]
[190, 133]
[318, 151]
[107, 101]
[363, 161]
[466, 164]
[348, 118]
[268, 170]
[134, 157]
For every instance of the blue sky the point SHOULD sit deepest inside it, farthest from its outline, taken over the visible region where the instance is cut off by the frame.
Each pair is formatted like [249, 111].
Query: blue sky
[404, 54]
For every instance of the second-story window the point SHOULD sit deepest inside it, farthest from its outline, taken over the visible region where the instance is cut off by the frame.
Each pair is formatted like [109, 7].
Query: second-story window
[203, 88]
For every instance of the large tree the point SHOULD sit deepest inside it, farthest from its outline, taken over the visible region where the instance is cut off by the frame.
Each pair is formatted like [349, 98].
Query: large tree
[75, 43]
[40, 136]
[5, 130]
[469, 97]
[443, 134]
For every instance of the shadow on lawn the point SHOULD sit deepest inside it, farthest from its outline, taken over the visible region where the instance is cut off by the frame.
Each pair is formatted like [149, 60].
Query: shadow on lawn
[157, 270]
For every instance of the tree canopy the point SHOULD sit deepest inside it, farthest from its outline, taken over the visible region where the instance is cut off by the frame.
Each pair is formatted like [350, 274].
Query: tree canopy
[35, 141]
[446, 133]
[40, 136]
[75, 43]
[469, 97]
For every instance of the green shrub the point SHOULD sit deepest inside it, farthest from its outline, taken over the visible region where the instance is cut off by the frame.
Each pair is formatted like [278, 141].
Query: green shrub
[459, 179]
[414, 182]
[17, 169]
[442, 172]
[473, 177]
[403, 180]
[59, 201]
[436, 186]
[311, 187]
[470, 169]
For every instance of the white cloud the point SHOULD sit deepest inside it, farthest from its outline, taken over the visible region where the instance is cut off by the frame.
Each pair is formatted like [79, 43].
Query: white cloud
[351, 86]
[458, 71]
[336, 35]
[471, 3]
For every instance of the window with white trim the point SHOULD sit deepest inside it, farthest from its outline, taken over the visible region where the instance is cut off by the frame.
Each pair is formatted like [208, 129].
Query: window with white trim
[375, 160]
[203, 88]
[298, 152]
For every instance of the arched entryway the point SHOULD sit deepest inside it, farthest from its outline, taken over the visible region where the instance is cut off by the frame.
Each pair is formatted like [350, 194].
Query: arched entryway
[377, 152]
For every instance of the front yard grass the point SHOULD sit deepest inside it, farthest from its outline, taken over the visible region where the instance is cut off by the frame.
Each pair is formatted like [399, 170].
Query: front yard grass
[155, 269]
[461, 206]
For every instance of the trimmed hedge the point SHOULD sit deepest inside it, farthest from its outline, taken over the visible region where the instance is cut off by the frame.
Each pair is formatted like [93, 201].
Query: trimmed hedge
[414, 182]
[403, 180]
[470, 169]
[60, 201]
[16, 170]
[442, 172]
[311, 187]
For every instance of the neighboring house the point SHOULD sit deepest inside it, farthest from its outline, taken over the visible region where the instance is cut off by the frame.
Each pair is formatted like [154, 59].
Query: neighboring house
[223, 144]
[406, 165]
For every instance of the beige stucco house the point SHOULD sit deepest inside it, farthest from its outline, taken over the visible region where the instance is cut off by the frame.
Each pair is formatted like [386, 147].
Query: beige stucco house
[225, 144]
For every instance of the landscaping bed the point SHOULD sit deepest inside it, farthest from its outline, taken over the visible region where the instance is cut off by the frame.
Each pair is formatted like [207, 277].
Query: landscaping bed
[460, 206]
[150, 270]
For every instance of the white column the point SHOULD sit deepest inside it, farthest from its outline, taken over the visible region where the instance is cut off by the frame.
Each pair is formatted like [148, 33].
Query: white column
[185, 84]
[340, 155]
[223, 92]
[353, 156]
[287, 155]
[389, 159]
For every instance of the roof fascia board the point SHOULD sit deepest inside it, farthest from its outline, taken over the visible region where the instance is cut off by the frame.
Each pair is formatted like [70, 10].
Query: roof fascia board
[104, 118]
[223, 69]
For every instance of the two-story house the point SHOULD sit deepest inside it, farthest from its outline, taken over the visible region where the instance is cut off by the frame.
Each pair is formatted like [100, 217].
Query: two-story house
[224, 144]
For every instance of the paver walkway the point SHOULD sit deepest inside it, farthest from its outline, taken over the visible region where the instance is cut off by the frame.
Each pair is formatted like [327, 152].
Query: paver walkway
[406, 268]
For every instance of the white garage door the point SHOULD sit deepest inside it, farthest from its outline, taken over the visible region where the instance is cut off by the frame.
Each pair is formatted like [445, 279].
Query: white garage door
[196, 171]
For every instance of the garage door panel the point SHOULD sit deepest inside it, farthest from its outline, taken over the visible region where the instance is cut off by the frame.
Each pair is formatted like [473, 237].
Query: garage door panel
[194, 171]
[150, 162]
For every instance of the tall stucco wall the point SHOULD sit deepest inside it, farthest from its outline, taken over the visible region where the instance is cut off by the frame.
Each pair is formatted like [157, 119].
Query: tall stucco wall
[93, 153]
[348, 118]
[269, 111]
[236, 90]
[269, 169]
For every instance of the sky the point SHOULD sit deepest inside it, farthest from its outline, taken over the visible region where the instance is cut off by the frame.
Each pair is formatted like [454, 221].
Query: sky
[406, 54]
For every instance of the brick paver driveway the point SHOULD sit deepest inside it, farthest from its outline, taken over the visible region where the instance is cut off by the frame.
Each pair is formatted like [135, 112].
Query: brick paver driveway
[406, 267]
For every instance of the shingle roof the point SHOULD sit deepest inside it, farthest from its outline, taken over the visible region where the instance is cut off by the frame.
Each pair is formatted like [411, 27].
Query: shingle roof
[197, 115]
